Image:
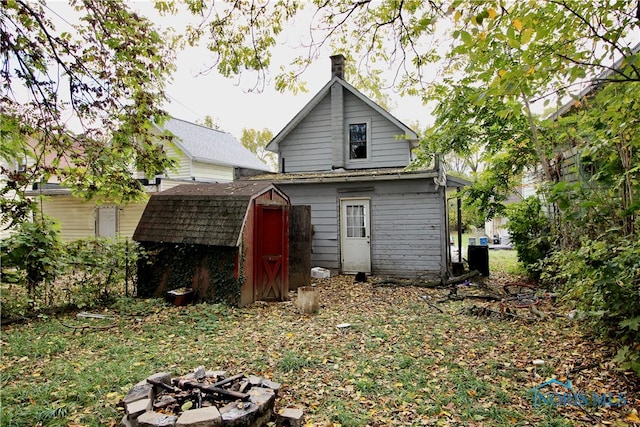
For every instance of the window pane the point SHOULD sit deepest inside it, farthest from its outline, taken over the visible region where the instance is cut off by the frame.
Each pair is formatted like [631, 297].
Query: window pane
[358, 141]
[356, 221]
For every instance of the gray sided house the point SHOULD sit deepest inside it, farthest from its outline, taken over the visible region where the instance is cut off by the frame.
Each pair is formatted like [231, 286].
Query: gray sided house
[569, 163]
[346, 157]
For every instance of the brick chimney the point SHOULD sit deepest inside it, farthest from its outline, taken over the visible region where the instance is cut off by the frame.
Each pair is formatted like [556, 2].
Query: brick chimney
[337, 113]
[337, 66]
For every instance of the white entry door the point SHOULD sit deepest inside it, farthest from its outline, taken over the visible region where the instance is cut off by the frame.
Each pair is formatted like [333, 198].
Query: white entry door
[355, 235]
[107, 221]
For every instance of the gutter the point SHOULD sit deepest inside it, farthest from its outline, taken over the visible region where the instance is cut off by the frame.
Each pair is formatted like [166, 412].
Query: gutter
[356, 178]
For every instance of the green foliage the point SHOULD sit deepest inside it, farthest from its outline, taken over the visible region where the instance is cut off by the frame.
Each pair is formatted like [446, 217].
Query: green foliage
[471, 216]
[256, 141]
[108, 72]
[170, 266]
[291, 361]
[32, 255]
[97, 269]
[85, 273]
[603, 281]
[209, 122]
[530, 232]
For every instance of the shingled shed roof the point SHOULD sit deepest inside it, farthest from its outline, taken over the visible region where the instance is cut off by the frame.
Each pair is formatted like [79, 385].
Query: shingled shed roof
[205, 214]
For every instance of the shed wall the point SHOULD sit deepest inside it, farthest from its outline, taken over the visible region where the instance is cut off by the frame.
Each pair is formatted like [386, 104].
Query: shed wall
[248, 274]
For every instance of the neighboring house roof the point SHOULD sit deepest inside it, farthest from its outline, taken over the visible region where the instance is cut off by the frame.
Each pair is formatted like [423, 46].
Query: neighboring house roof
[208, 145]
[597, 82]
[203, 214]
[325, 91]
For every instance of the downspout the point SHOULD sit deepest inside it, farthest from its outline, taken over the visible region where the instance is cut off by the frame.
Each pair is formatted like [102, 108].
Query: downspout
[459, 203]
[441, 185]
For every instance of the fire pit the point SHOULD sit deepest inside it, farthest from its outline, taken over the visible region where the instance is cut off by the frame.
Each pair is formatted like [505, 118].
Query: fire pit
[202, 398]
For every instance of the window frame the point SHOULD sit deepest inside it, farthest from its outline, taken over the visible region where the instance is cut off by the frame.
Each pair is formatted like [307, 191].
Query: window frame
[367, 124]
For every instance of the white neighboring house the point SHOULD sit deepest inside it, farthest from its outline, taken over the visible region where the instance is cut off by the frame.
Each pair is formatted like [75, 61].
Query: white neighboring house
[202, 155]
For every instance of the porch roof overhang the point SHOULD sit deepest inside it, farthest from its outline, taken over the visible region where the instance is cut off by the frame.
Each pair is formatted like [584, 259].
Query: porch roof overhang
[366, 175]
[457, 182]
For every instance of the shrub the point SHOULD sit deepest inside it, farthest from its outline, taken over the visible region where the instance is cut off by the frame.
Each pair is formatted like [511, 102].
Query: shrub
[84, 273]
[32, 256]
[530, 233]
[98, 268]
[602, 280]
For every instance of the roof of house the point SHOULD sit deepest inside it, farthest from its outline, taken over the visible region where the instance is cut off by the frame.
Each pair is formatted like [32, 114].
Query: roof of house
[597, 82]
[325, 91]
[208, 145]
[202, 214]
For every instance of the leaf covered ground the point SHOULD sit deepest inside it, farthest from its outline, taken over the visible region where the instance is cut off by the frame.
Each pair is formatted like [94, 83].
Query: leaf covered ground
[401, 362]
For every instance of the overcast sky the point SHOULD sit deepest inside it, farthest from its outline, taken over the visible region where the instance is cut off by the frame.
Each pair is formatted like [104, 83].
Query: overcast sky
[230, 101]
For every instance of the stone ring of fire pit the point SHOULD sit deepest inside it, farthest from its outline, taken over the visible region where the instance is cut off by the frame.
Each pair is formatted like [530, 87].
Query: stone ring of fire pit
[203, 398]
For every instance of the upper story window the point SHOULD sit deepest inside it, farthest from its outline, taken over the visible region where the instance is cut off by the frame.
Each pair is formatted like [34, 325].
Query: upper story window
[358, 141]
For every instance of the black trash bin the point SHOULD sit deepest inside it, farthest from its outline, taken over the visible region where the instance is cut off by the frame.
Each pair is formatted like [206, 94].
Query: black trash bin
[478, 258]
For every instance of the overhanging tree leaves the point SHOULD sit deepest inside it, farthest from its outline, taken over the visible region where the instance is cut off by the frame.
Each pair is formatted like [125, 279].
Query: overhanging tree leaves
[509, 57]
[78, 104]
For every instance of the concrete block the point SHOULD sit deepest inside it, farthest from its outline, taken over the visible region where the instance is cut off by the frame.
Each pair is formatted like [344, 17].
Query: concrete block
[201, 417]
[291, 417]
[155, 419]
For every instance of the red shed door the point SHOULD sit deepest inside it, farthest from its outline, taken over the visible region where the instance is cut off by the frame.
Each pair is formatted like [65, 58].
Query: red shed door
[272, 253]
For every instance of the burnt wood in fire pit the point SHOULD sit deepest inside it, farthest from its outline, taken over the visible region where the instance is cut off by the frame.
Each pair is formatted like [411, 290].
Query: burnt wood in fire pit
[228, 394]
[200, 398]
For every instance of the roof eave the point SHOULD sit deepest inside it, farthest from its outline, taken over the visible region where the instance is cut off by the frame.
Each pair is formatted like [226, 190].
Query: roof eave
[218, 162]
[457, 182]
[360, 178]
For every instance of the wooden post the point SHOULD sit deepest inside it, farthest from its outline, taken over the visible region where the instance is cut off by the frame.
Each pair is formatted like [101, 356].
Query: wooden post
[300, 240]
[308, 300]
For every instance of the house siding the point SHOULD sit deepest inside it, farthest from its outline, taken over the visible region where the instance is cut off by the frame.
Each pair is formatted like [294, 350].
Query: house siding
[406, 224]
[406, 229]
[319, 142]
[386, 150]
[183, 163]
[210, 172]
[324, 217]
[76, 218]
[308, 146]
[129, 216]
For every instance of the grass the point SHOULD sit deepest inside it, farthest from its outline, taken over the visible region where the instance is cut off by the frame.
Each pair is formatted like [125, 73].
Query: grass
[400, 363]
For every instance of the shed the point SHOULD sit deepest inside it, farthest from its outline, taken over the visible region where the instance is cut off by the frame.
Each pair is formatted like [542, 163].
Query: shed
[228, 242]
